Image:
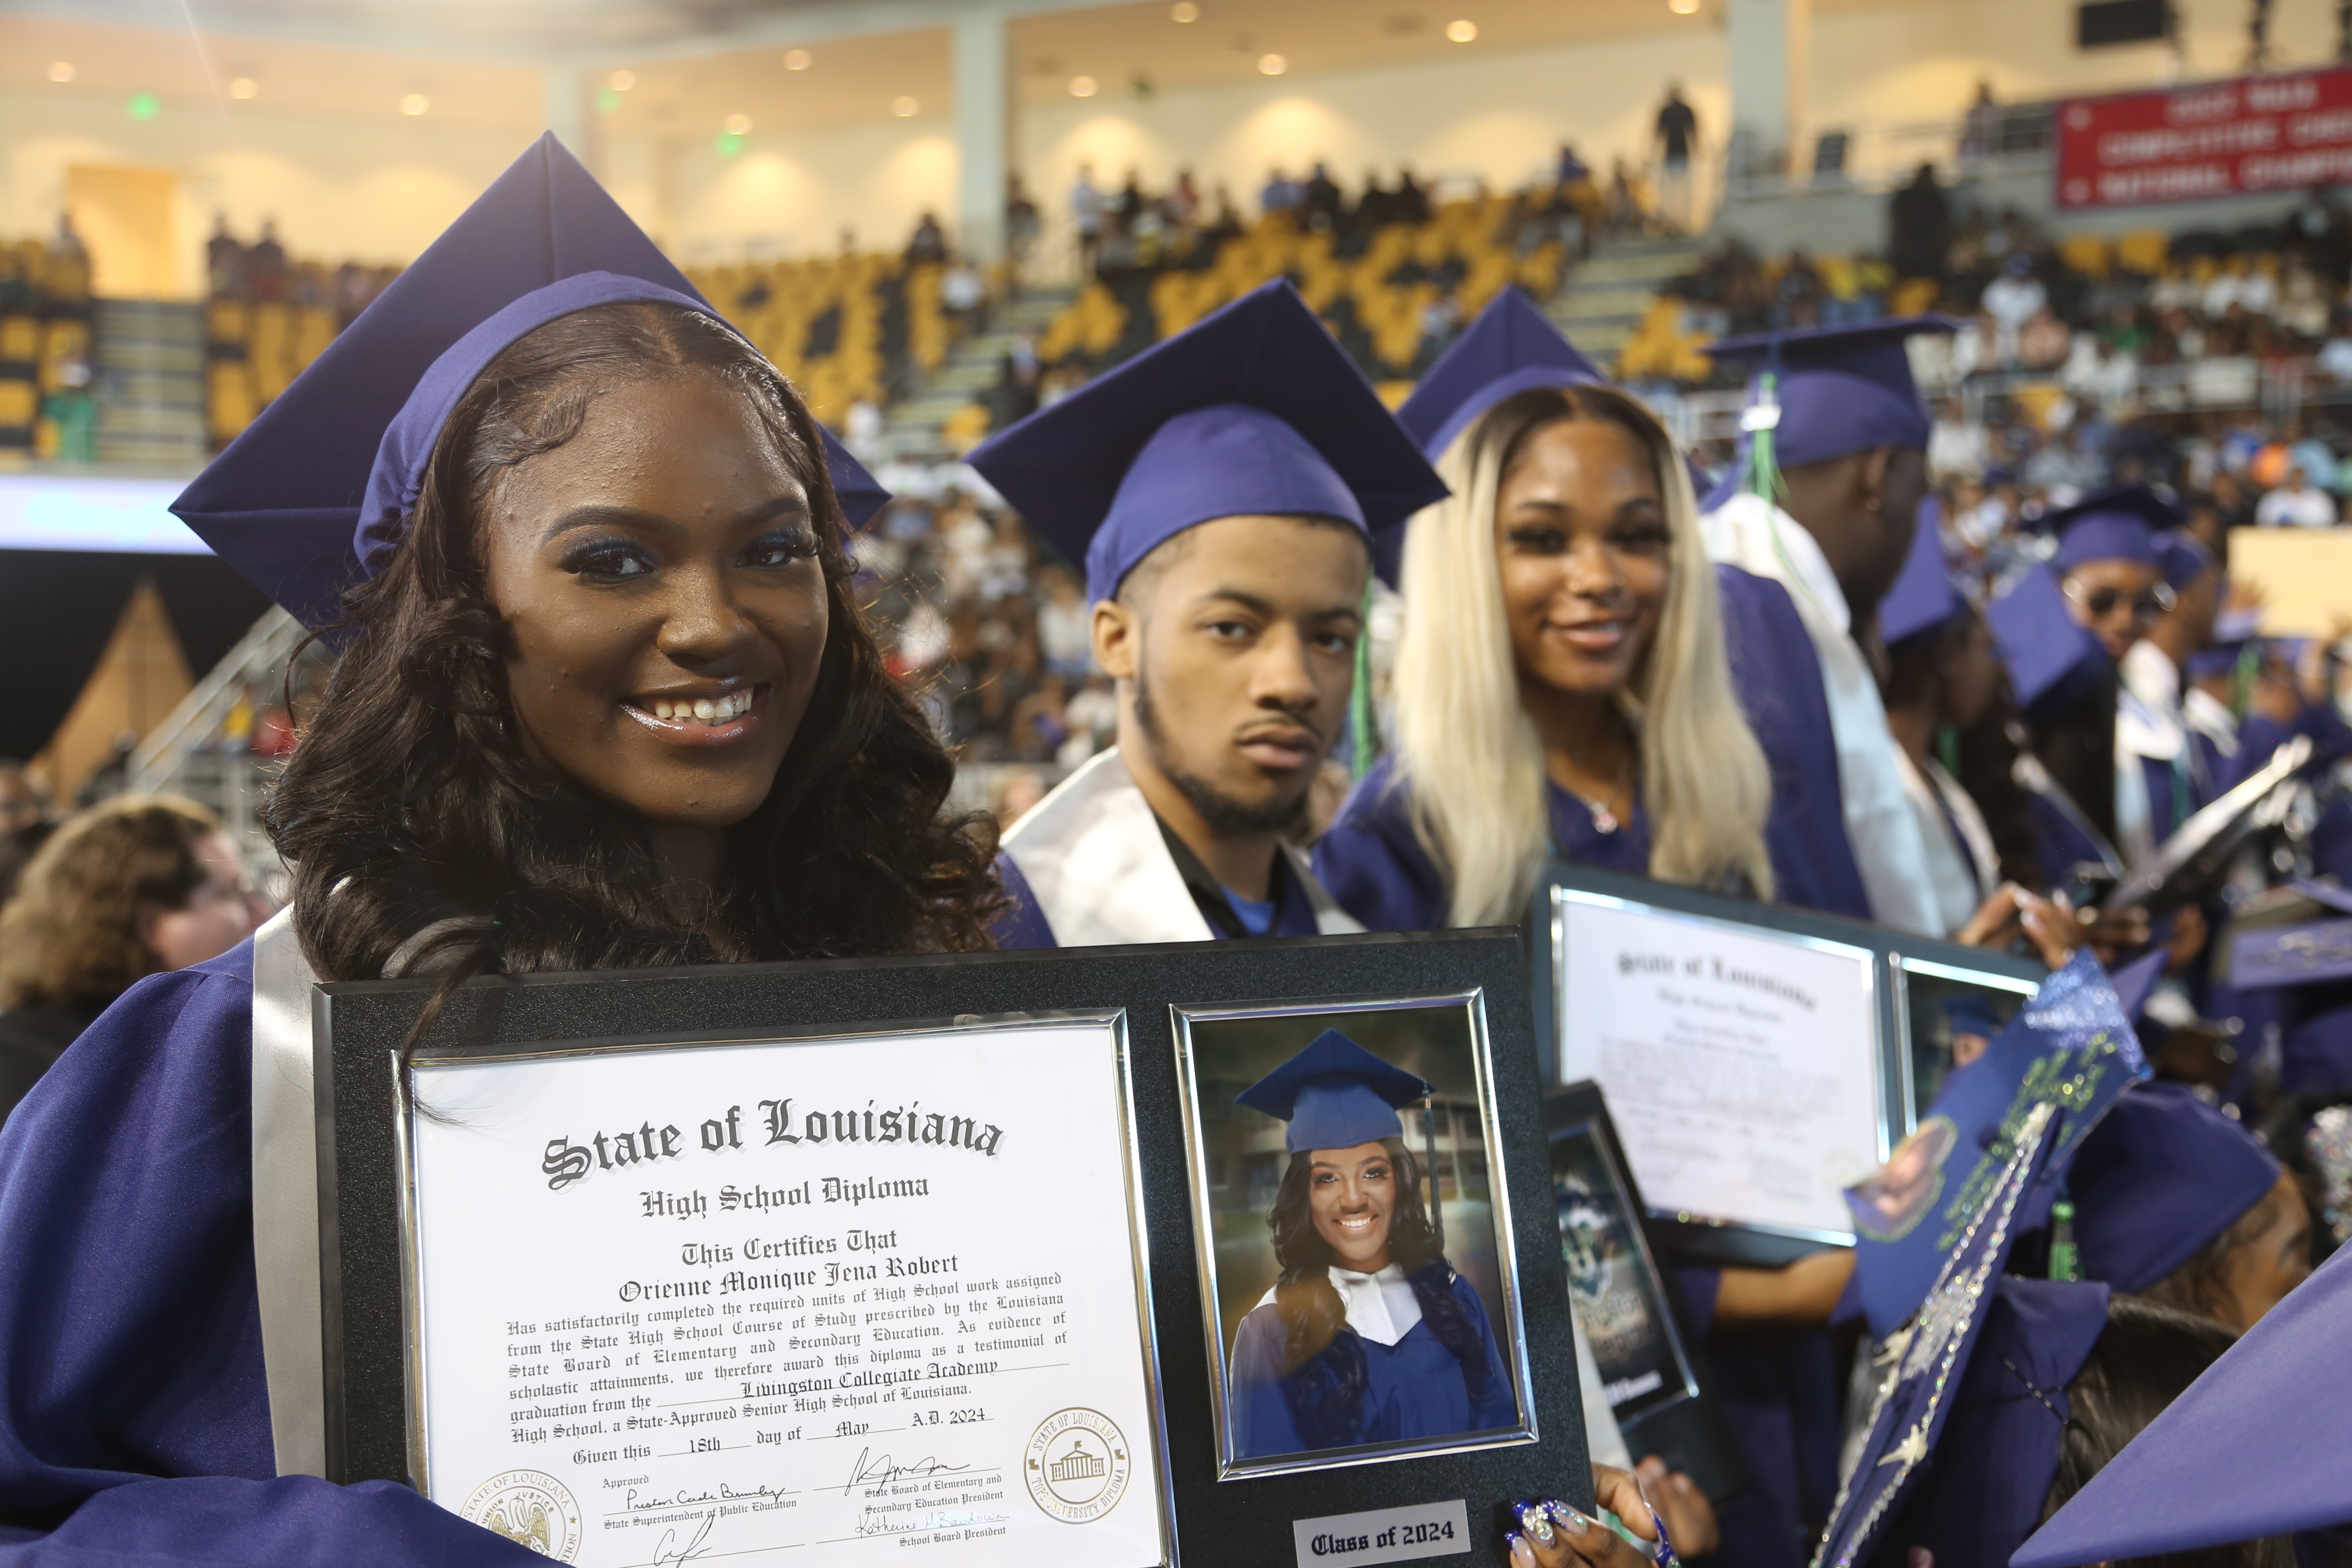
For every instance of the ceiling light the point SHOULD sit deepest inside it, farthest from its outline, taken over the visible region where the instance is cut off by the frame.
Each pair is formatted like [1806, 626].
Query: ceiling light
[1683, 8]
[415, 104]
[62, 70]
[1184, 10]
[621, 81]
[798, 59]
[1272, 64]
[1465, 30]
[904, 108]
[1082, 87]
[739, 125]
[244, 86]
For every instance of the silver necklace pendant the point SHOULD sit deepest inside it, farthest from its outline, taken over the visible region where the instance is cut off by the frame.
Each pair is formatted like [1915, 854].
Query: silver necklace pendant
[1603, 819]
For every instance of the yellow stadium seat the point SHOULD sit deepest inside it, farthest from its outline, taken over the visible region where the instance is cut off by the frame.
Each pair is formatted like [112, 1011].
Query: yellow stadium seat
[2143, 250]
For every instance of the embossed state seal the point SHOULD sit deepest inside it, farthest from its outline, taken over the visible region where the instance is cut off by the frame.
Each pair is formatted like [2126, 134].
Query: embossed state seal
[530, 1507]
[1078, 1464]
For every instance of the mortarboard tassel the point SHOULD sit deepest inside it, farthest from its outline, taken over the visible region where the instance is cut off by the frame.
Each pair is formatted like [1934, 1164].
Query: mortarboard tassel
[1361, 724]
[1760, 419]
[2063, 1262]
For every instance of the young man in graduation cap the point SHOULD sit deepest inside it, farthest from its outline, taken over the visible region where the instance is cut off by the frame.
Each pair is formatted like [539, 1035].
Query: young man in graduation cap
[1825, 499]
[1220, 487]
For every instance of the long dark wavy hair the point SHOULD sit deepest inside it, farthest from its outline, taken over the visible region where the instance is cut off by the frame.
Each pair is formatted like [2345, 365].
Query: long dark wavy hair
[412, 803]
[1324, 1370]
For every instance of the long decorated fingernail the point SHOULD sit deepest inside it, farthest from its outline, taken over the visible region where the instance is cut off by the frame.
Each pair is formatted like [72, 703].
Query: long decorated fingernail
[1535, 1522]
[1522, 1554]
[1569, 1519]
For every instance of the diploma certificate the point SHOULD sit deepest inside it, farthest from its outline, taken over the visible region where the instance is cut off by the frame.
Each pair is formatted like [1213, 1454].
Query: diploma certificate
[808, 1301]
[1741, 1063]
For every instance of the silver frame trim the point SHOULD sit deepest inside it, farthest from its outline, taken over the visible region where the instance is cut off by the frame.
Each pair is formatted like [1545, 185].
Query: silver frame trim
[1474, 1003]
[1882, 1070]
[1130, 1152]
[1590, 1132]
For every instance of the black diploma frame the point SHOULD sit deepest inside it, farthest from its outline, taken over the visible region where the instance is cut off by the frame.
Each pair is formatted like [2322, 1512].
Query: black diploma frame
[1244, 1521]
[1897, 961]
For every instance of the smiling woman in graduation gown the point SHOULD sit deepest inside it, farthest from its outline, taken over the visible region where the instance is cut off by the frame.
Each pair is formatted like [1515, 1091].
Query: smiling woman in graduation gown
[1368, 1336]
[1564, 684]
[603, 700]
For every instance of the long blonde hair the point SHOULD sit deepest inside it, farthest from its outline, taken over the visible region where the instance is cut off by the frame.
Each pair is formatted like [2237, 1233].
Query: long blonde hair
[1465, 748]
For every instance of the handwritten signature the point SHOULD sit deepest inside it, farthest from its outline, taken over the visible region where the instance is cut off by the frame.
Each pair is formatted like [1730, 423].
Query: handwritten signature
[936, 1522]
[665, 1553]
[726, 1493]
[871, 1471]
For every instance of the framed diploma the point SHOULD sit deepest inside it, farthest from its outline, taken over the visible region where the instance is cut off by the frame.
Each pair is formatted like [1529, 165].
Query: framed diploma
[1650, 1380]
[813, 1263]
[1946, 1005]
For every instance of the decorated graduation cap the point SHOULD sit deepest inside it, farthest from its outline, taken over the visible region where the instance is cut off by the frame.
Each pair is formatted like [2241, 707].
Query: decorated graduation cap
[2122, 523]
[316, 493]
[1253, 410]
[2070, 1049]
[1926, 1361]
[1335, 1095]
[1922, 597]
[1511, 348]
[2163, 1174]
[2253, 1448]
[2050, 660]
[1993, 1463]
[1820, 393]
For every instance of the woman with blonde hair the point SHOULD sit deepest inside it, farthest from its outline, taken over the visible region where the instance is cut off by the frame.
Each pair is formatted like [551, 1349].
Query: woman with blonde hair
[1564, 684]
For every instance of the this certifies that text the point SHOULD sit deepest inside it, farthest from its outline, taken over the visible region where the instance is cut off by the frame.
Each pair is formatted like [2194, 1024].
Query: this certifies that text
[809, 1301]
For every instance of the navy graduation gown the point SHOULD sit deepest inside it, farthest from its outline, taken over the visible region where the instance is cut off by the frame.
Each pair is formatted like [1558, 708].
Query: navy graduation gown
[1373, 864]
[1778, 678]
[1023, 925]
[134, 1420]
[1413, 1389]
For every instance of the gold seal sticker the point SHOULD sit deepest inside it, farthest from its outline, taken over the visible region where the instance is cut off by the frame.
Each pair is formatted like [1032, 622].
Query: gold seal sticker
[1077, 1465]
[530, 1507]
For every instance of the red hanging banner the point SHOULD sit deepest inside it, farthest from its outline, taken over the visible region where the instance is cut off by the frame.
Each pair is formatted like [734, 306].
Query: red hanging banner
[2191, 143]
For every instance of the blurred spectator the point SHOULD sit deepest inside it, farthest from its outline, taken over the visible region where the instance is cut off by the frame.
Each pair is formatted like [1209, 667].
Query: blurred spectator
[1065, 623]
[17, 847]
[139, 884]
[930, 243]
[223, 261]
[1981, 126]
[1281, 194]
[1673, 134]
[264, 264]
[2011, 300]
[962, 293]
[2295, 504]
[23, 801]
[1087, 215]
[1022, 222]
[1920, 226]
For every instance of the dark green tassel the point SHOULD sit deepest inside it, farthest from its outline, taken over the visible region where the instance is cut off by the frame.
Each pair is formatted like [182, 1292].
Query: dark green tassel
[2063, 1262]
[1761, 420]
[1361, 721]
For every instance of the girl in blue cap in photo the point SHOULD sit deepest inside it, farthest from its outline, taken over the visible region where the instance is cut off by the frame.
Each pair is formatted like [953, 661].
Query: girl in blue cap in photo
[604, 701]
[1370, 1336]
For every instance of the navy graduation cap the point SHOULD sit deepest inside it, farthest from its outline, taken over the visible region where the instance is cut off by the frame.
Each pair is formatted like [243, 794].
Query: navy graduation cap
[2183, 559]
[2122, 523]
[2050, 660]
[1922, 597]
[2160, 1176]
[1253, 410]
[1511, 348]
[2253, 1448]
[1335, 1095]
[1824, 392]
[315, 494]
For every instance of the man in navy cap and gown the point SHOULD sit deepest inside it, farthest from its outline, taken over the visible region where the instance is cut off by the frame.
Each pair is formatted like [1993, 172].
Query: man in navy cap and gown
[1825, 500]
[1220, 487]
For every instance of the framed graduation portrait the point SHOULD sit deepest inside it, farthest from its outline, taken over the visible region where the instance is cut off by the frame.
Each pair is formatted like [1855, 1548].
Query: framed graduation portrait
[1357, 1259]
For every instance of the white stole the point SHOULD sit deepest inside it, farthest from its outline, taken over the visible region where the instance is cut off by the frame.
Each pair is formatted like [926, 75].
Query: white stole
[1092, 854]
[1749, 533]
[285, 1200]
[2149, 726]
[1961, 870]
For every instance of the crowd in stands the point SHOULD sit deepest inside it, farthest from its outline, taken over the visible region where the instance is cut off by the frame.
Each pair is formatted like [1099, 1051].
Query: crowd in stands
[47, 354]
[267, 316]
